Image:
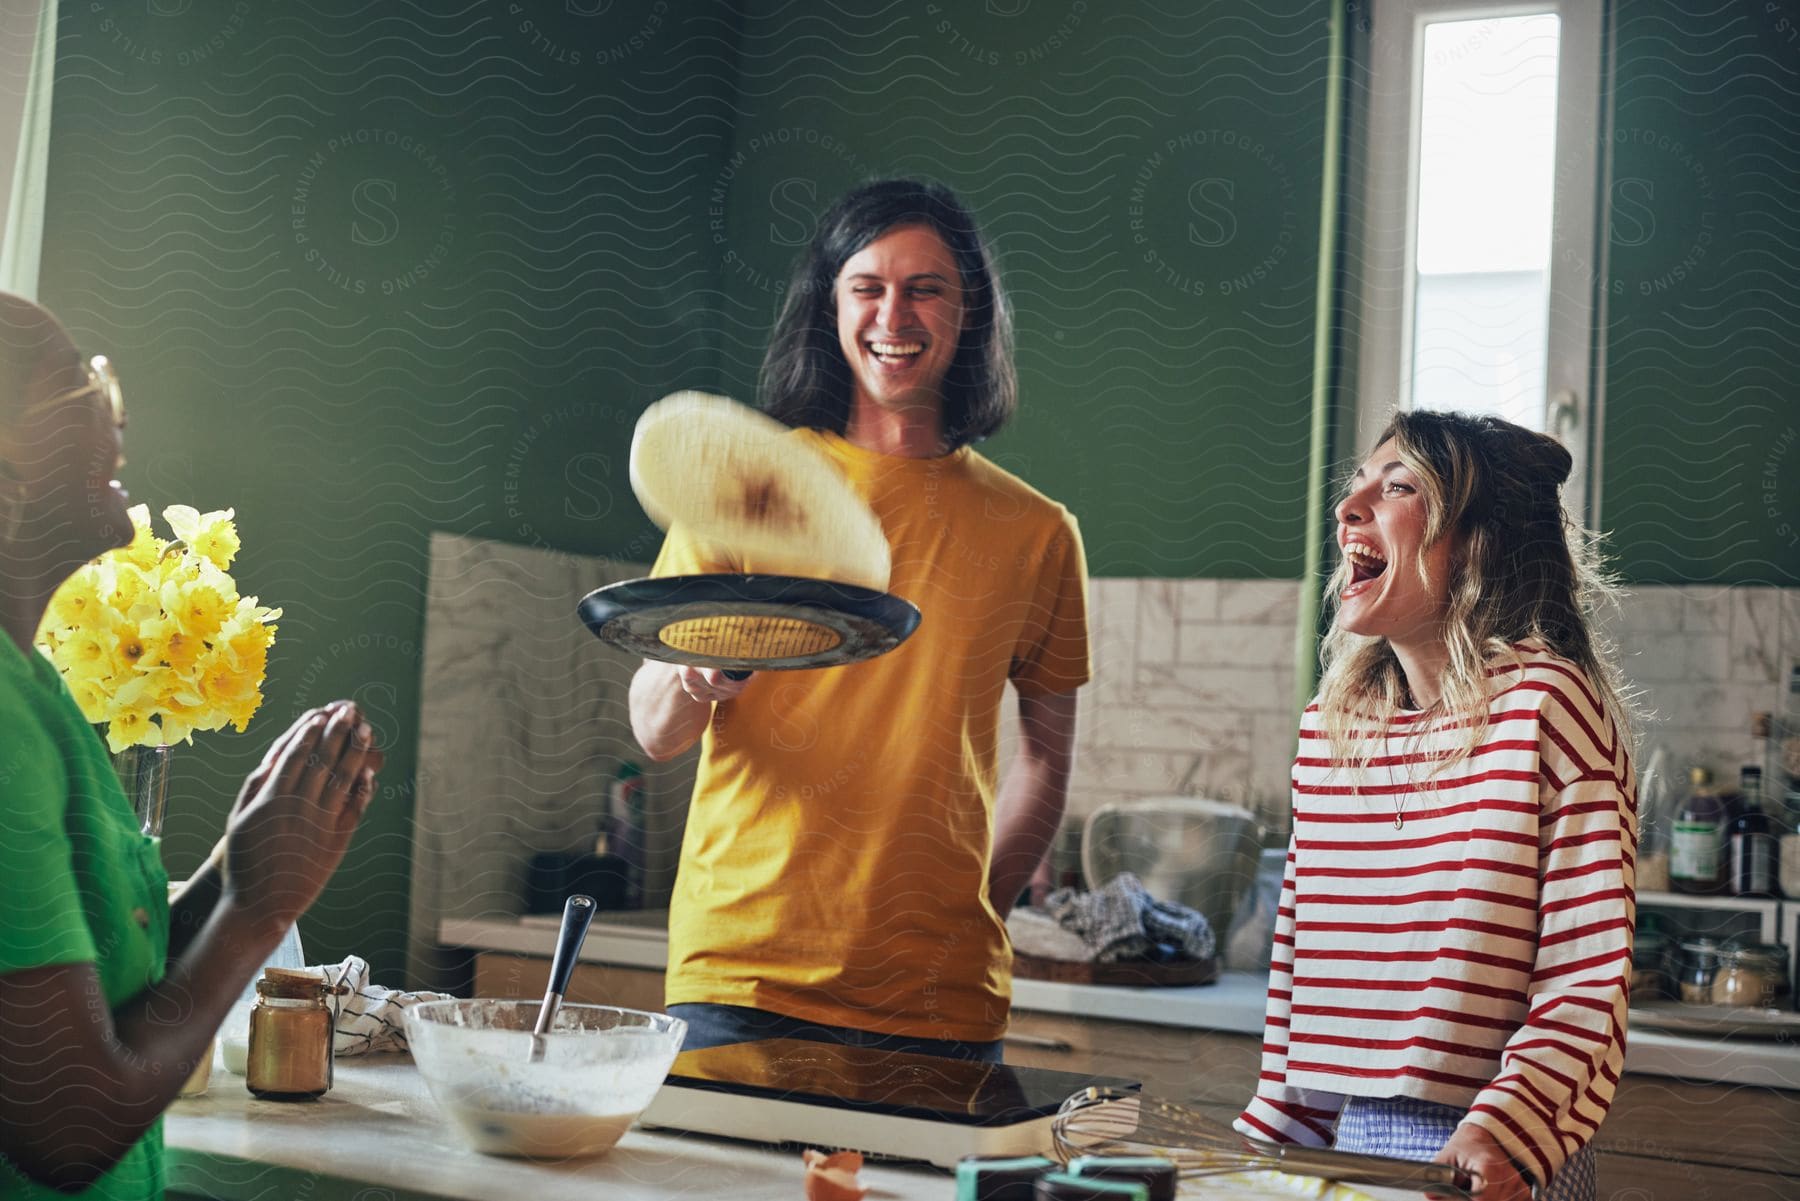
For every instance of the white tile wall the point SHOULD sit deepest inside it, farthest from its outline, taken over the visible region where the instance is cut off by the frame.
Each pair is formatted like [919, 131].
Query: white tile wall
[1192, 693]
[1705, 659]
[1194, 680]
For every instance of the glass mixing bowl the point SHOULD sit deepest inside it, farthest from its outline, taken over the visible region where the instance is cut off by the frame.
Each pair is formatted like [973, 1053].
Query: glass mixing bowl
[600, 1067]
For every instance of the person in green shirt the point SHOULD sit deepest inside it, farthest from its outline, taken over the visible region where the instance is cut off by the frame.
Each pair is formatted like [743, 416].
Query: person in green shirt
[110, 992]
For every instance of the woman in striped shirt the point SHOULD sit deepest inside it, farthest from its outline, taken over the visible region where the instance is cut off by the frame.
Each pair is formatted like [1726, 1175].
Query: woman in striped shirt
[1453, 943]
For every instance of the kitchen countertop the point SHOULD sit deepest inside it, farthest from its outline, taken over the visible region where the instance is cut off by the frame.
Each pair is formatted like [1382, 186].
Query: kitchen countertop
[377, 1136]
[1234, 1004]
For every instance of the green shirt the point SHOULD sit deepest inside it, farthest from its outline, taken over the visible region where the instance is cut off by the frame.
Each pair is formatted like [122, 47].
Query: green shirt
[78, 882]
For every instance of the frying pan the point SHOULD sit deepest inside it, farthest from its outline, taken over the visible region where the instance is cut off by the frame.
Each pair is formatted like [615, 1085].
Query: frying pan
[745, 623]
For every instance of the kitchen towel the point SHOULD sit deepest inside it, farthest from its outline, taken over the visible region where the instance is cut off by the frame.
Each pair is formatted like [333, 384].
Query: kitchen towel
[1123, 921]
[1034, 932]
[368, 1018]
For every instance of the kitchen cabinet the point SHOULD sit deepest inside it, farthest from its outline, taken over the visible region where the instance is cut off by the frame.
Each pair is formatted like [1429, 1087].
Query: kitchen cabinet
[1212, 1071]
[498, 974]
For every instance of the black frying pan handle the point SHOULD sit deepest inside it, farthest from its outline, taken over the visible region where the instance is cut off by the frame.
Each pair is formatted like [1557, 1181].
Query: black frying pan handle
[732, 673]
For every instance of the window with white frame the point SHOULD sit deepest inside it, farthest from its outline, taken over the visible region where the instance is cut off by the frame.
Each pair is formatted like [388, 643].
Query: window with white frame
[1476, 242]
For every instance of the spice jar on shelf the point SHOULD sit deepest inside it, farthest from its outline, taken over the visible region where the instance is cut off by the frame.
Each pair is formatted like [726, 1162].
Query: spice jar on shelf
[1650, 980]
[290, 1036]
[1753, 975]
[1699, 967]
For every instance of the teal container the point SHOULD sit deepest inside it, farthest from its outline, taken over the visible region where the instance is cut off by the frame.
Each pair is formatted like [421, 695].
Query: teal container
[996, 1178]
[1066, 1186]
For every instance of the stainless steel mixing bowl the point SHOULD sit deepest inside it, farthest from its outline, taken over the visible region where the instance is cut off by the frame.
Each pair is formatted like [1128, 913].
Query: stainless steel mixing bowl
[1197, 852]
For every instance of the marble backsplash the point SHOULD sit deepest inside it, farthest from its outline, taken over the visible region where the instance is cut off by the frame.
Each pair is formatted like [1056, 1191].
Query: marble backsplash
[1193, 688]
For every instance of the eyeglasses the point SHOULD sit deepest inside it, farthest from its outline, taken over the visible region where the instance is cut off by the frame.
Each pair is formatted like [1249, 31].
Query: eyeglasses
[105, 381]
[102, 382]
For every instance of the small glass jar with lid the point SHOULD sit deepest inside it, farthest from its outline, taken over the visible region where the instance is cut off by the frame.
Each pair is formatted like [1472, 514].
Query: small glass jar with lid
[1699, 966]
[290, 1036]
[1650, 978]
[1752, 975]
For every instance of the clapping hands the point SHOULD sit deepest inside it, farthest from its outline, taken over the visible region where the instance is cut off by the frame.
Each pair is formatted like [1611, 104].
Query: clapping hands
[296, 812]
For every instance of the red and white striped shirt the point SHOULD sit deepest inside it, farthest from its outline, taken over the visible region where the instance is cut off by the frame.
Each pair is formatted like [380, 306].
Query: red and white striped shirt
[1479, 955]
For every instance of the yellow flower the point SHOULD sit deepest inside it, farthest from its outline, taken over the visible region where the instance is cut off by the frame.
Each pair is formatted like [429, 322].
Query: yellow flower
[132, 647]
[84, 655]
[153, 639]
[146, 548]
[219, 543]
[90, 697]
[131, 727]
[212, 535]
[198, 608]
[223, 688]
[77, 601]
[132, 586]
[182, 651]
[241, 713]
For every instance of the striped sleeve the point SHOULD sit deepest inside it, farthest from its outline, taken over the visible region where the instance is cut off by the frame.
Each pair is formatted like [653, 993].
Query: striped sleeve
[1279, 1112]
[1558, 1071]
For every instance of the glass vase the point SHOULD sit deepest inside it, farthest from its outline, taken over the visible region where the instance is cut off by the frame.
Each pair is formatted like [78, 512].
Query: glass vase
[144, 773]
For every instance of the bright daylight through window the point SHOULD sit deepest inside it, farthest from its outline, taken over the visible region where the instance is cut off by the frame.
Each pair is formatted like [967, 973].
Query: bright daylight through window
[1486, 193]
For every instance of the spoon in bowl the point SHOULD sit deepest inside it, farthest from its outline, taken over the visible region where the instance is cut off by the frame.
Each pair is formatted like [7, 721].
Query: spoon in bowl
[578, 912]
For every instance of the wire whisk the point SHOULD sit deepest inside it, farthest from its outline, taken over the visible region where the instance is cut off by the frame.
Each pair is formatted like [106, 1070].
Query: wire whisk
[1105, 1121]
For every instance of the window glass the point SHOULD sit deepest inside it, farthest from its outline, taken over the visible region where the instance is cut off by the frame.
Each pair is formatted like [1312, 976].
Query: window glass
[1487, 173]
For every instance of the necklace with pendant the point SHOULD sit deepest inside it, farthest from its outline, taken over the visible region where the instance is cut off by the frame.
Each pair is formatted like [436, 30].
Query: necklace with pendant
[1393, 784]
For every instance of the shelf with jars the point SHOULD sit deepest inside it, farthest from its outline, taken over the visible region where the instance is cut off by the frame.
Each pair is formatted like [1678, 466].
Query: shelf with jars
[1716, 964]
[1716, 920]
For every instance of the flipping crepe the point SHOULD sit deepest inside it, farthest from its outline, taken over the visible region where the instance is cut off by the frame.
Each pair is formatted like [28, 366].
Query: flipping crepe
[740, 480]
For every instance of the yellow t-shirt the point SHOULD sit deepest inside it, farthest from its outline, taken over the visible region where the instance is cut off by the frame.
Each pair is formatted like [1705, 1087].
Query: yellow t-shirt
[835, 863]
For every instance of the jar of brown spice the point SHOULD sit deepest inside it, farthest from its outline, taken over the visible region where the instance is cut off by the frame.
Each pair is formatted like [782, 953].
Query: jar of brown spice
[290, 1036]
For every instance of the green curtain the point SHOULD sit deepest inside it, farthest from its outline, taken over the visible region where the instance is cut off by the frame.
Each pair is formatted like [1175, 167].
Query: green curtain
[23, 242]
[1327, 343]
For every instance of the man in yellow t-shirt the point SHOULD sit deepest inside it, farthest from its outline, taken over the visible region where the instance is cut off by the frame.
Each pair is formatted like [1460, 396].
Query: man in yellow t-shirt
[851, 852]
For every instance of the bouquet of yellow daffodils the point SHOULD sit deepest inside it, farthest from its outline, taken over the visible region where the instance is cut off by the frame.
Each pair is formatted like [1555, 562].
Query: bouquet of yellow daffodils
[154, 640]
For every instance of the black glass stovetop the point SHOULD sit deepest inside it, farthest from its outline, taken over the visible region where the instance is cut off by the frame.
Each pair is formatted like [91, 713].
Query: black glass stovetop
[926, 1087]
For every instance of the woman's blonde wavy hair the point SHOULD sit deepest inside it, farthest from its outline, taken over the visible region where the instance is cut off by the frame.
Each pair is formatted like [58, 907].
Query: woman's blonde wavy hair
[1521, 569]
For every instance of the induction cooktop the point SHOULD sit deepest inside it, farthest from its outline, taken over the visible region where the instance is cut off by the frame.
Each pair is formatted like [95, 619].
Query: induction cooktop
[890, 1104]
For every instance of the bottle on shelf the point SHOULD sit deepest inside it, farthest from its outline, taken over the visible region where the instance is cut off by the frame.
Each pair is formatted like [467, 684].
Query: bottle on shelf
[1781, 780]
[1751, 842]
[626, 833]
[1697, 842]
[1656, 812]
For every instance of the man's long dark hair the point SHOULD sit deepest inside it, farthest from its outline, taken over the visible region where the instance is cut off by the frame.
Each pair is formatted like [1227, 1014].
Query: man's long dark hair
[805, 378]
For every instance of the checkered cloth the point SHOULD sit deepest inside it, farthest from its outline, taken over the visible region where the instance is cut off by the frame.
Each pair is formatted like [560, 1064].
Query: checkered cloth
[368, 1017]
[1123, 921]
[1407, 1128]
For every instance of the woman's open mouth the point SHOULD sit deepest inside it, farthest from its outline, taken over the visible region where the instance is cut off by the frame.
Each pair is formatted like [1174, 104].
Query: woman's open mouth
[1366, 566]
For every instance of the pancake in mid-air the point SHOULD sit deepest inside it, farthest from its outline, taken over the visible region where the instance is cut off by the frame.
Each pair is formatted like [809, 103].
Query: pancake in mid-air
[739, 480]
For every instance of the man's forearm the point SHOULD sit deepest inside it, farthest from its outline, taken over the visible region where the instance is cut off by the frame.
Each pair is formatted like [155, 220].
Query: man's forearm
[1029, 810]
[665, 720]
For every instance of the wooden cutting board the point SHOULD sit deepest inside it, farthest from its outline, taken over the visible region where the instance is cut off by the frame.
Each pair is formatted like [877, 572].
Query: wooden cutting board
[1121, 975]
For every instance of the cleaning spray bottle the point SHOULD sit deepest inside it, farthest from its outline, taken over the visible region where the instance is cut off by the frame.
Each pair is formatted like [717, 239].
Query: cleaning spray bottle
[625, 811]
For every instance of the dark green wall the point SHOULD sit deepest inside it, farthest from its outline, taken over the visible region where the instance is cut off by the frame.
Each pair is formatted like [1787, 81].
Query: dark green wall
[1150, 176]
[1702, 433]
[354, 341]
